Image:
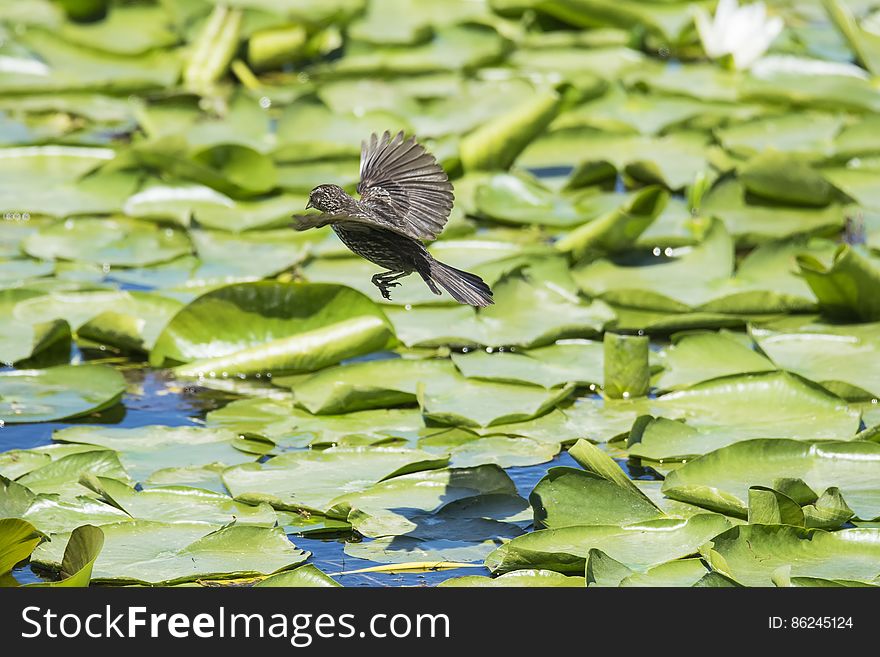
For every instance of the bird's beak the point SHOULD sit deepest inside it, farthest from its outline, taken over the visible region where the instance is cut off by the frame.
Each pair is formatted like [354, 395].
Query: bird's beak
[309, 204]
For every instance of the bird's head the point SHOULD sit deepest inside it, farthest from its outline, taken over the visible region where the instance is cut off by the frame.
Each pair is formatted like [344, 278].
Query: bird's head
[326, 198]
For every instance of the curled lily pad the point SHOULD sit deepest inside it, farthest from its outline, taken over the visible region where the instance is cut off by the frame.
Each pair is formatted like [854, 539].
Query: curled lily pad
[846, 287]
[720, 480]
[322, 325]
[58, 392]
[157, 553]
[181, 504]
[18, 538]
[306, 575]
[754, 554]
[638, 546]
[741, 408]
[62, 476]
[51, 512]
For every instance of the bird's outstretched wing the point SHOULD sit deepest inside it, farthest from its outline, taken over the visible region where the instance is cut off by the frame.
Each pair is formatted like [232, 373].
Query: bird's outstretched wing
[403, 186]
[306, 221]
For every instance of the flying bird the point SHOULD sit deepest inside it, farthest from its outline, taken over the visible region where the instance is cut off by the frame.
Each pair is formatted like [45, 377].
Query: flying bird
[405, 197]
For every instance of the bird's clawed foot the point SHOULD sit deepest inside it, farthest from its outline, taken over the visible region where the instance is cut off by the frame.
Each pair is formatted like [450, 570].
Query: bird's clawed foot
[386, 281]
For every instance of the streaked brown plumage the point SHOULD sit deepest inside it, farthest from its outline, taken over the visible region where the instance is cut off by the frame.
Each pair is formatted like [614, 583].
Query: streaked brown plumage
[405, 197]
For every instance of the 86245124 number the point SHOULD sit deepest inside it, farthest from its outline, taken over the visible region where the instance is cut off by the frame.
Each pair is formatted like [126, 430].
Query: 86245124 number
[810, 622]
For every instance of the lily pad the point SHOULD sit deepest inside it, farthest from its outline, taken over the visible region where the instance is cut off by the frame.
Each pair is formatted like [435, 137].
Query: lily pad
[720, 480]
[753, 554]
[321, 325]
[145, 450]
[517, 578]
[161, 554]
[18, 538]
[639, 546]
[58, 392]
[310, 480]
[305, 576]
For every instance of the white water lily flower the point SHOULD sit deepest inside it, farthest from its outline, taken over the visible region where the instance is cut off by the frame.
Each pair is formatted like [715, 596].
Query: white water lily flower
[745, 33]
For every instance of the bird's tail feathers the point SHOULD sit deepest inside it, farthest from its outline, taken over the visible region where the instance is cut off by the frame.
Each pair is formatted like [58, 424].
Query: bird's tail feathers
[463, 286]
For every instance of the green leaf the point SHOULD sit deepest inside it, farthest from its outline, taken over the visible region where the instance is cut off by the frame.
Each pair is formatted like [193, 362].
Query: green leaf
[638, 546]
[720, 480]
[79, 558]
[846, 288]
[781, 177]
[845, 358]
[627, 373]
[159, 554]
[573, 361]
[306, 575]
[725, 411]
[145, 450]
[752, 554]
[237, 330]
[497, 143]
[181, 504]
[59, 392]
[18, 538]
[311, 480]
[63, 476]
[568, 496]
[703, 356]
[517, 578]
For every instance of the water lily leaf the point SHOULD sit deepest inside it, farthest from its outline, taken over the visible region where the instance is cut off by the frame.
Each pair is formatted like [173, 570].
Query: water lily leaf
[574, 361]
[616, 230]
[626, 373]
[666, 20]
[810, 135]
[58, 392]
[847, 287]
[497, 143]
[724, 411]
[569, 496]
[519, 199]
[604, 571]
[50, 512]
[289, 428]
[218, 332]
[161, 554]
[786, 179]
[25, 344]
[672, 161]
[63, 476]
[371, 384]
[864, 44]
[450, 49]
[458, 401]
[751, 554]
[703, 356]
[124, 31]
[637, 546]
[668, 285]
[68, 66]
[18, 538]
[135, 325]
[107, 241]
[389, 507]
[181, 504]
[310, 480]
[771, 507]
[752, 222]
[681, 572]
[311, 132]
[506, 451]
[843, 358]
[144, 450]
[526, 314]
[857, 183]
[306, 575]
[79, 558]
[517, 578]
[721, 480]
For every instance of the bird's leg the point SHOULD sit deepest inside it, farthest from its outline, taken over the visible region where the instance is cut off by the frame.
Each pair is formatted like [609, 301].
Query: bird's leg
[387, 280]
